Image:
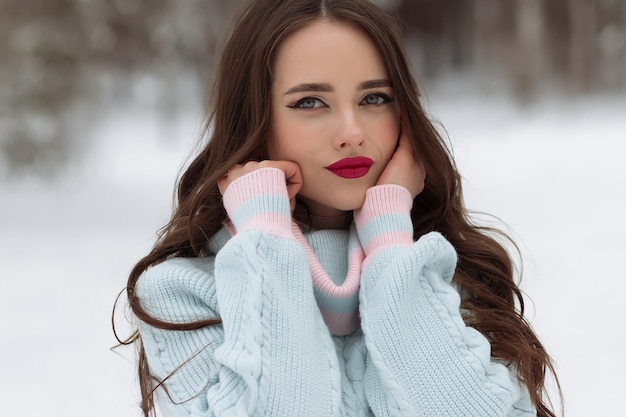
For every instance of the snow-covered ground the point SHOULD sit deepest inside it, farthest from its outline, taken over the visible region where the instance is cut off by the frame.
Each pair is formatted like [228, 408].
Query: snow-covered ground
[554, 172]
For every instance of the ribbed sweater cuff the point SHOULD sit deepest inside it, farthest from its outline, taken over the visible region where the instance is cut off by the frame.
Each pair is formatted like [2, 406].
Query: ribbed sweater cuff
[258, 200]
[385, 218]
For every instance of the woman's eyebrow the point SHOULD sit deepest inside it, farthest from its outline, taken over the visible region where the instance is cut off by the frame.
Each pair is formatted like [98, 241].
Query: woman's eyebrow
[327, 88]
[366, 85]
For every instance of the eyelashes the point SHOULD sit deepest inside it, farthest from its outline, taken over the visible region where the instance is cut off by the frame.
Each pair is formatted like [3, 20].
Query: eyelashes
[378, 99]
[313, 103]
[308, 103]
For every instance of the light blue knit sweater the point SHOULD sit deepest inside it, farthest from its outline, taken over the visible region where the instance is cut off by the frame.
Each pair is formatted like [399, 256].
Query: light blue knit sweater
[274, 354]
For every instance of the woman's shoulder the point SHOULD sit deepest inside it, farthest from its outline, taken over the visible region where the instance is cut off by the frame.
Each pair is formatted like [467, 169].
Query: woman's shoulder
[178, 271]
[178, 288]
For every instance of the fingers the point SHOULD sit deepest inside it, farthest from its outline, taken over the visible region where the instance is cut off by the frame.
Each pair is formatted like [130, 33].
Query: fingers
[293, 176]
[404, 168]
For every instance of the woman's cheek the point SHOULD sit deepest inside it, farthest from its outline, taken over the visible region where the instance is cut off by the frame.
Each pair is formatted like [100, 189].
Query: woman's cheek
[392, 137]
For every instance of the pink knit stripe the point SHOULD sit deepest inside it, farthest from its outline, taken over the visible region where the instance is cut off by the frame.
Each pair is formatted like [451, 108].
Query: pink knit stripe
[264, 181]
[401, 238]
[350, 285]
[381, 200]
[367, 214]
[322, 281]
[341, 323]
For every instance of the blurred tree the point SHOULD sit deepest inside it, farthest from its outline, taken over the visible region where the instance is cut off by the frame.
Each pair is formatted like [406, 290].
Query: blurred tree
[60, 53]
[493, 33]
[576, 31]
[612, 44]
[40, 74]
[526, 56]
[581, 44]
[438, 30]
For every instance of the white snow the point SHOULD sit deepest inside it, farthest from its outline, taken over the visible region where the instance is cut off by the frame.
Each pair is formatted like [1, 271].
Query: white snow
[553, 172]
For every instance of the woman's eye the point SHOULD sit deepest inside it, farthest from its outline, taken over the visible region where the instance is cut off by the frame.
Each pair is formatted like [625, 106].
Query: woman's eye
[375, 99]
[308, 103]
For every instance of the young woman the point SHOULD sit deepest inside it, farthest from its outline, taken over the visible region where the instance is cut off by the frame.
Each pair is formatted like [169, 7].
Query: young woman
[320, 261]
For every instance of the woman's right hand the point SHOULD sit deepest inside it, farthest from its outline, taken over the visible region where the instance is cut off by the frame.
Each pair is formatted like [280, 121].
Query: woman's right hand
[404, 168]
[293, 176]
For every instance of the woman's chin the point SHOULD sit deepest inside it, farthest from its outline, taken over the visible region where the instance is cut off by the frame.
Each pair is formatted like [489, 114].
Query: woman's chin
[334, 206]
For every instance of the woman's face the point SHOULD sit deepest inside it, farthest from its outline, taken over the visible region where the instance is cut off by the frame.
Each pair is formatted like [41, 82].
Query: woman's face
[333, 113]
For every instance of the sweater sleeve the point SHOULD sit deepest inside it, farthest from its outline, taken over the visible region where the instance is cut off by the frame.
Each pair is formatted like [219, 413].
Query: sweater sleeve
[273, 354]
[422, 359]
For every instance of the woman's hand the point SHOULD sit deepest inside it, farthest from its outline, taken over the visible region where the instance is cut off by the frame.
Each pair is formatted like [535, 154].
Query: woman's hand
[293, 176]
[404, 169]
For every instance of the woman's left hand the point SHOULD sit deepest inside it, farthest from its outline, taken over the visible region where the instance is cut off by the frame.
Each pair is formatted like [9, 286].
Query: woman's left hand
[404, 169]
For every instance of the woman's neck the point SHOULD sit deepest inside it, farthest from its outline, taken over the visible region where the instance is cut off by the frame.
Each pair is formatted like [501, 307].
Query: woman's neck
[341, 221]
[324, 217]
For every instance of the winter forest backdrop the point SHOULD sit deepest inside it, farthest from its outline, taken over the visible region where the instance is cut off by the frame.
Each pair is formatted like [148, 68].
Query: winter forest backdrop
[101, 103]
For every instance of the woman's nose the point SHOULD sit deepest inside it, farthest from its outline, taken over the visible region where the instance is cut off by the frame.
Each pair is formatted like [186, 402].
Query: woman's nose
[349, 133]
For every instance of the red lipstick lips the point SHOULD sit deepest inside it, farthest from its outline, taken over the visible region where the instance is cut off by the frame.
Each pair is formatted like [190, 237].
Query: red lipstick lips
[351, 167]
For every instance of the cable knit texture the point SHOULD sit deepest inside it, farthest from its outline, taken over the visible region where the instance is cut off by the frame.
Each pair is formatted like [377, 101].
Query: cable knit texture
[276, 353]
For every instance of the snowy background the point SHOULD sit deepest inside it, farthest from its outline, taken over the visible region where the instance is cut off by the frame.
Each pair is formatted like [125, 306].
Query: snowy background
[553, 171]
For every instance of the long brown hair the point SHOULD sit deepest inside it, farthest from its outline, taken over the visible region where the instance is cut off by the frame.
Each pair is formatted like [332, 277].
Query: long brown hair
[238, 126]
